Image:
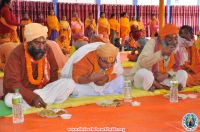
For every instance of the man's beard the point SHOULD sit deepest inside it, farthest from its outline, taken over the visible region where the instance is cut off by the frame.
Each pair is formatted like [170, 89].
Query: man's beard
[36, 53]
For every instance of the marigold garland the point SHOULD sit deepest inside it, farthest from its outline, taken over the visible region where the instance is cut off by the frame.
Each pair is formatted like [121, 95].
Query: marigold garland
[164, 69]
[192, 53]
[29, 68]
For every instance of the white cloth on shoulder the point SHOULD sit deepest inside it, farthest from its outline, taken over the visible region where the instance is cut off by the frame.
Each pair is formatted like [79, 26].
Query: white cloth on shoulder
[78, 55]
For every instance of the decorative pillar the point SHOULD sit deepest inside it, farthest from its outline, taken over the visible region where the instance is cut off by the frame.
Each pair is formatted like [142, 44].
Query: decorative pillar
[98, 6]
[135, 2]
[161, 14]
[55, 2]
[169, 11]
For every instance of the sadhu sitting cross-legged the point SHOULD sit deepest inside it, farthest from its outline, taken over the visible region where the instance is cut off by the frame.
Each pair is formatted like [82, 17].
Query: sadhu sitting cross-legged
[156, 64]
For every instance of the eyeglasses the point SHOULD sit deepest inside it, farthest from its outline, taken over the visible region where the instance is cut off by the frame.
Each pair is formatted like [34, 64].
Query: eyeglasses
[106, 62]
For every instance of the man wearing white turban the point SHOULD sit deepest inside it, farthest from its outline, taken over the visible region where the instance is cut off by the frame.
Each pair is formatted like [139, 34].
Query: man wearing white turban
[32, 68]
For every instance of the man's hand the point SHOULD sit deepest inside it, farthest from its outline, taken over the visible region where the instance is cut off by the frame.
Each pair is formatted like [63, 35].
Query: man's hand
[94, 77]
[38, 102]
[161, 76]
[168, 50]
[157, 85]
[102, 82]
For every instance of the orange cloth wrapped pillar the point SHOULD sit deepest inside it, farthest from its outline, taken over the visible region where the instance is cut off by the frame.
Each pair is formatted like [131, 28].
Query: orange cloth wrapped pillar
[161, 14]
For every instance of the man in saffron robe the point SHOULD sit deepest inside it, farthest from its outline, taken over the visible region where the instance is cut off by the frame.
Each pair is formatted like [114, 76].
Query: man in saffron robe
[188, 55]
[32, 68]
[26, 20]
[77, 28]
[53, 26]
[65, 30]
[134, 23]
[103, 25]
[90, 26]
[100, 72]
[140, 23]
[8, 22]
[41, 20]
[156, 65]
[63, 43]
[114, 28]
[124, 27]
[153, 25]
[137, 49]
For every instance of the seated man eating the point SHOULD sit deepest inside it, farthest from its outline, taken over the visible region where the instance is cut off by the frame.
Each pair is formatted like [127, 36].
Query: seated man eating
[156, 65]
[31, 67]
[96, 70]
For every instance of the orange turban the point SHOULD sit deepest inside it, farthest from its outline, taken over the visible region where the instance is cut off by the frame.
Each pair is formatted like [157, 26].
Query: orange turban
[107, 51]
[168, 29]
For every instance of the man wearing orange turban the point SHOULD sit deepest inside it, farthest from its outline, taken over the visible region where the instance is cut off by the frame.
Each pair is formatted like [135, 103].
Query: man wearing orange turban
[96, 70]
[156, 64]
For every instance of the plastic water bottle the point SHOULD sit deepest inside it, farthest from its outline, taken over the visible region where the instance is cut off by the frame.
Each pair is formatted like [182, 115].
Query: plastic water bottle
[173, 97]
[127, 92]
[18, 115]
[122, 48]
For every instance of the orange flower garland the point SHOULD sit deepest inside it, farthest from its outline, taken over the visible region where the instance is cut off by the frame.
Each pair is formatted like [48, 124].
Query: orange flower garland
[163, 69]
[169, 66]
[192, 56]
[29, 68]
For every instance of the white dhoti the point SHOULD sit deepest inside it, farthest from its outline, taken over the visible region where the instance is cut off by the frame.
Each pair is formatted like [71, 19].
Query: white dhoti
[91, 89]
[55, 92]
[114, 87]
[144, 79]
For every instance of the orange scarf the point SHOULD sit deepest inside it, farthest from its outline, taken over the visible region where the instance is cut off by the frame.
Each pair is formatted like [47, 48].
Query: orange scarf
[43, 69]
[164, 69]
[191, 57]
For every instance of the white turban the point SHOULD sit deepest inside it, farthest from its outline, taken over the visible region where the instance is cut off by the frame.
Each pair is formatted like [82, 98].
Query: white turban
[34, 30]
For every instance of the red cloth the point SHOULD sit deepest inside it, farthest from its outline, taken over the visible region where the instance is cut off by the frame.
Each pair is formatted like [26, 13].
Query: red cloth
[7, 14]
